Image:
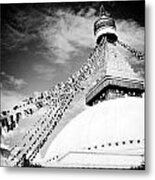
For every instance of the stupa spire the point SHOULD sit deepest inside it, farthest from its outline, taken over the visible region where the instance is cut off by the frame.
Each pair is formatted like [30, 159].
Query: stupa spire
[105, 27]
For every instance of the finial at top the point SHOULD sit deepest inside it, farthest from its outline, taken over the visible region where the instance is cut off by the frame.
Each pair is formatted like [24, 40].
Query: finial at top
[103, 11]
[104, 26]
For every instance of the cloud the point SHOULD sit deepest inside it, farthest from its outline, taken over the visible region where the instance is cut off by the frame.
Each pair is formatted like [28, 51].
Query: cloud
[131, 33]
[9, 99]
[68, 33]
[44, 72]
[71, 32]
[10, 87]
[19, 26]
[9, 82]
[62, 34]
[59, 34]
[62, 31]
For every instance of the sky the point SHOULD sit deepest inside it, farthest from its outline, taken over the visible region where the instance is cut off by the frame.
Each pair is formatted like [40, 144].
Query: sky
[44, 43]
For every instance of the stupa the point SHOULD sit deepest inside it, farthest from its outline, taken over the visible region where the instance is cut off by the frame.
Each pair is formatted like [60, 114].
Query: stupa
[109, 133]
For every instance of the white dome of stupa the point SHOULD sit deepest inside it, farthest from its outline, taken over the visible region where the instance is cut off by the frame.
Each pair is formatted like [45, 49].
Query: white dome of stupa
[111, 128]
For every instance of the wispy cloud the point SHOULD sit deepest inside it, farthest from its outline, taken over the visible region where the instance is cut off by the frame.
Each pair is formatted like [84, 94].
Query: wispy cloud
[44, 72]
[69, 32]
[10, 98]
[10, 90]
[64, 35]
[131, 33]
[63, 32]
[20, 26]
[10, 82]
